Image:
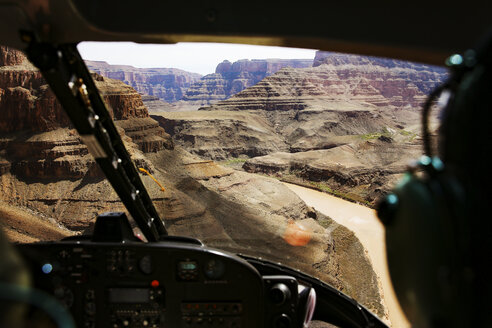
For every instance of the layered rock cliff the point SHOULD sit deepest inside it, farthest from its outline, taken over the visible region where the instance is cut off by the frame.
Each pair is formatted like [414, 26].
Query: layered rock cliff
[361, 171]
[402, 83]
[168, 84]
[22, 86]
[184, 91]
[339, 77]
[319, 107]
[35, 136]
[10, 56]
[202, 134]
[231, 78]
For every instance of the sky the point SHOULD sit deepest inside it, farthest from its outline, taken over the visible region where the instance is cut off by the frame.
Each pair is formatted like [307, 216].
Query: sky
[199, 58]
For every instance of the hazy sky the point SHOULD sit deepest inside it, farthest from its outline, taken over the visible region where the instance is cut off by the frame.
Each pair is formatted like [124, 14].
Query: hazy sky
[199, 58]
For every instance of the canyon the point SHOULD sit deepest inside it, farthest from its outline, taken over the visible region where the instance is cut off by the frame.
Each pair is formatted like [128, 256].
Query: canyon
[167, 84]
[49, 181]
[348, 125]
[170, 89]
[232, 78]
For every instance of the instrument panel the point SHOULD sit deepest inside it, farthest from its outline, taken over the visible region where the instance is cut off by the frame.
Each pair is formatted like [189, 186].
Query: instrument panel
[165, 284]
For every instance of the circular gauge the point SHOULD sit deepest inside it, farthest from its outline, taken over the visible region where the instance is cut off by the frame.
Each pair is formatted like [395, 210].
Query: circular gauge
[214, 269]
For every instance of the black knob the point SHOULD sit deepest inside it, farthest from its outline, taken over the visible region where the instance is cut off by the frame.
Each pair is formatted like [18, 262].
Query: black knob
[282, 321]
[90, 294]
[90, 308]
[279, 294]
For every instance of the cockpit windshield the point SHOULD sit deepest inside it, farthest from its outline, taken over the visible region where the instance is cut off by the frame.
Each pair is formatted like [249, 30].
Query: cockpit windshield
[268, 152]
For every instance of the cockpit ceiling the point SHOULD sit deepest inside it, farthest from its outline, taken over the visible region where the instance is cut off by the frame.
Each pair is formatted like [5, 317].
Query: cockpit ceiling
[412, 30]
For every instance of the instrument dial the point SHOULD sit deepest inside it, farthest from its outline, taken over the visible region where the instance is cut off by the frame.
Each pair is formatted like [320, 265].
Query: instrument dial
[214, 269]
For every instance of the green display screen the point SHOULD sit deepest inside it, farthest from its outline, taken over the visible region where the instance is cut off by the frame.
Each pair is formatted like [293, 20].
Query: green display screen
[188, 265]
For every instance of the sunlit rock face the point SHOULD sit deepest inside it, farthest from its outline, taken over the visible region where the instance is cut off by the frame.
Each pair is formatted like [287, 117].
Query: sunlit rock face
[10, 56]
[318, 107]
[36, 139]
[340, 77]
[168, 84]
[222, 135]
[231, 78]
[400, 83]
[179, 90]
[359, 116]
[27, 103]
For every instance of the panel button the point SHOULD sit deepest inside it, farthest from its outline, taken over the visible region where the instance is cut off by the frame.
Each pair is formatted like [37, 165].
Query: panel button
[145, 264]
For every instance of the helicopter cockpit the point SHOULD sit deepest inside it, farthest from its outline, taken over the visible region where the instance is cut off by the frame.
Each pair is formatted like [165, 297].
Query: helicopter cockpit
[112, 278]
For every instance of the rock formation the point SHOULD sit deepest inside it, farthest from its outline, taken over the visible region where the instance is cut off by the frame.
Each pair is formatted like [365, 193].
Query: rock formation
[231, 78]
[361, 171]
[168, 84]
[35, 136]
[23, 225]
[369, 104]
[402, 83]
[246, 134]
[319, 107]
[10, 56]
[155, 105]
[22, 86]
[186, 91]
[361, 80]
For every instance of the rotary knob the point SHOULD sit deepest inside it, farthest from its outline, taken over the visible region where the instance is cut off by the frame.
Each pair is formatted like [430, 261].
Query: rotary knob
[279, 294]
[282, 321]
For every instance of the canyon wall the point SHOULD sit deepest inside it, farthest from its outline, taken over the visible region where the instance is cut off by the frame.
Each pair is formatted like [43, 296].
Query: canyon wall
[22, 86]
[10, 56]
[184, 91]
[322, 106]
[402, 82]
[36, 139]
[350, 123]
[231, 78]
[340, 77]
[168, 84]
